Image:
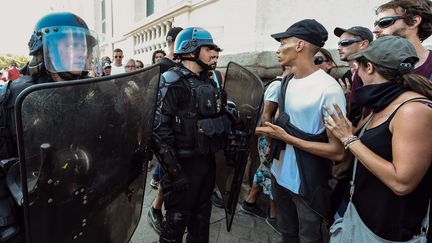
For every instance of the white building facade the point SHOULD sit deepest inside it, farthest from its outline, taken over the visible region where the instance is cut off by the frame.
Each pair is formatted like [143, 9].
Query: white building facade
[242, 28]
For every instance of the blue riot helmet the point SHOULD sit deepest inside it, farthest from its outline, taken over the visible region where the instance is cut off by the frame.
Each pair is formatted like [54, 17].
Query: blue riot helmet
[190, 40]
[62, 43]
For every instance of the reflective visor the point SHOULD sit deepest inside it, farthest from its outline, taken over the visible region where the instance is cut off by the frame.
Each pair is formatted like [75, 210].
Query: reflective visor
[69, 49]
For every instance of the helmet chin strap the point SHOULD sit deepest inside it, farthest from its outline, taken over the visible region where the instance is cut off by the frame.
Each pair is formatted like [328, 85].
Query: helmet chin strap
[196, 59]
[202, 64]
[36, 65]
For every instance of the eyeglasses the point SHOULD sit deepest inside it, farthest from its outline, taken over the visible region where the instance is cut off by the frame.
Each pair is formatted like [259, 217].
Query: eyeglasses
[129, 66]
[118, 56]
[387, 21]
[319, 60]
[139, 66]
[345, 43]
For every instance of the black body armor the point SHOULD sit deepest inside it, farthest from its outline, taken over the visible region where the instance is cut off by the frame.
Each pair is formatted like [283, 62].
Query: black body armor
[200, 124]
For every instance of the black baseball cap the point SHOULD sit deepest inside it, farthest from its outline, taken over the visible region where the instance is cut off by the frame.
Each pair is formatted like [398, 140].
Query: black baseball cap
[361, 31]
[392, 52]
[173, 32]
[308, 30]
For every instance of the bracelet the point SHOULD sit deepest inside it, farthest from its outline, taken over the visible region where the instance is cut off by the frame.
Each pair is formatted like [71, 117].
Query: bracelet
[349, 139]
[351, 143]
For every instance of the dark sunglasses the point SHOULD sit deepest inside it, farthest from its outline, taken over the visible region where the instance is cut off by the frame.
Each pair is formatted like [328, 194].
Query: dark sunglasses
[345, 43]
[387, 21]
[319, 60]
[139, 66]
[118, 56]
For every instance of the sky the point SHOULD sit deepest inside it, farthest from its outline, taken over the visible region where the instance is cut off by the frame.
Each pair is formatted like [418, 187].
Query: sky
[18, 18]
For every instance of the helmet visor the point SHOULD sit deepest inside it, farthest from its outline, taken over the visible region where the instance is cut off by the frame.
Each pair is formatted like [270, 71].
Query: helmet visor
[69, 49]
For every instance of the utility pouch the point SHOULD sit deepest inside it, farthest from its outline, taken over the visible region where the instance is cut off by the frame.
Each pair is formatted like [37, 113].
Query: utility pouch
[185, 127]
[220, 138]
[206, 129]
[212, 134]
[207, 102]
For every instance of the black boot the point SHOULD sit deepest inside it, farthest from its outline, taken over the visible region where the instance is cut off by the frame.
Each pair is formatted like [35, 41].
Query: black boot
[173, 227]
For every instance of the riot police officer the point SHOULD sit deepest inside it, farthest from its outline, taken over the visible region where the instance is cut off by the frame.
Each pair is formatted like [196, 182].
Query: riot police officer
[193, 125]
[62, 48]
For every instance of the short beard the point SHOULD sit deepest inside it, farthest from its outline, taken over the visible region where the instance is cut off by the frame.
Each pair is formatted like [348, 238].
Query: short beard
[401, 32]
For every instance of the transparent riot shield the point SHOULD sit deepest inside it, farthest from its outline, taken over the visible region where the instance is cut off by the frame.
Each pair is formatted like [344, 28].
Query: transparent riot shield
[246, 90]
[82, 156]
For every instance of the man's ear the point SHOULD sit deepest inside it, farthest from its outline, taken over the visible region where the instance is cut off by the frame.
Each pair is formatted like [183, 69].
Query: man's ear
[370, 68]
[364, 44]
[300, 45]
[416, 20]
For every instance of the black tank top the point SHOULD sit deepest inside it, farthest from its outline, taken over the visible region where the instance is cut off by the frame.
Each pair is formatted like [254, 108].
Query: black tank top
[392, 217]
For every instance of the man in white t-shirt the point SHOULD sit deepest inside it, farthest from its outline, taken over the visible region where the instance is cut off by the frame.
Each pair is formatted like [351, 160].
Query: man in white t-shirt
[302, 168]
[117, 66]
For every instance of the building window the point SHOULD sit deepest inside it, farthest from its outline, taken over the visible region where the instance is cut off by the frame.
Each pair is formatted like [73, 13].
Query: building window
[150, 7]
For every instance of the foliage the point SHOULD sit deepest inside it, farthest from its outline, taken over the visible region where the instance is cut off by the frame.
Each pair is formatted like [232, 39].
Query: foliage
[5, 60]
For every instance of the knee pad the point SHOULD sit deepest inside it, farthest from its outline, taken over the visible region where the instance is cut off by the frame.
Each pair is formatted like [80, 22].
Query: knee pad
[173, 227]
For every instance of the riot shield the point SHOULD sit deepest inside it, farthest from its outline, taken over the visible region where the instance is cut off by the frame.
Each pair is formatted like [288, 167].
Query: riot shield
[246, 90]
[82, 156]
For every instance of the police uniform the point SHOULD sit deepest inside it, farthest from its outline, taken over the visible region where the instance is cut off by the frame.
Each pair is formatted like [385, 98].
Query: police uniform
[195, 126]
[192, 126]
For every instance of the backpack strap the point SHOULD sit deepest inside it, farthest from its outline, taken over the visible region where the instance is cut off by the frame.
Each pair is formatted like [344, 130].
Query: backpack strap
[282, 91]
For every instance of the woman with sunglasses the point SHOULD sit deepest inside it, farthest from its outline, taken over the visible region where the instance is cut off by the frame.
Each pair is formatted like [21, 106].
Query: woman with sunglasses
[391, 189]
[324, 60]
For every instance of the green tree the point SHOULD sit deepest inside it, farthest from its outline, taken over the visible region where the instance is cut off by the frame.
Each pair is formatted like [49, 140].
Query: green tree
[5, 60]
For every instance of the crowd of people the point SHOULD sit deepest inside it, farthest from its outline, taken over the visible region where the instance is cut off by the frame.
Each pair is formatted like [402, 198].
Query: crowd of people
[11, 73]
[345, 155]
[365, 117]
[110, 68]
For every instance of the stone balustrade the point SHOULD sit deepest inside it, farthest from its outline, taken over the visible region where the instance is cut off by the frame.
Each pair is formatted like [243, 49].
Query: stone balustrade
[149, 39]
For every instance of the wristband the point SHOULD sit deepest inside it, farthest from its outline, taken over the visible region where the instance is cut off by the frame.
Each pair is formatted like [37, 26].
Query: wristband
[349, 139]
[351, 143]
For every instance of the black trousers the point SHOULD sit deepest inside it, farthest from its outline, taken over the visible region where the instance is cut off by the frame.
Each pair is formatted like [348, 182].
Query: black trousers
[190, 209]
[297, 222]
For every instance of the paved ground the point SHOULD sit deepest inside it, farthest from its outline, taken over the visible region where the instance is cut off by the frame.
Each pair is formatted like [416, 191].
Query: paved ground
[245, 228]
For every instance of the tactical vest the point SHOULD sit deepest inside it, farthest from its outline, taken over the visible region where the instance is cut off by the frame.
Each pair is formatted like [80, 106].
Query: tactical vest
[202, 126]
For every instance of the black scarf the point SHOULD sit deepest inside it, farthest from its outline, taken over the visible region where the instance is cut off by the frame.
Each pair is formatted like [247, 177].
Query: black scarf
[379, 96]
